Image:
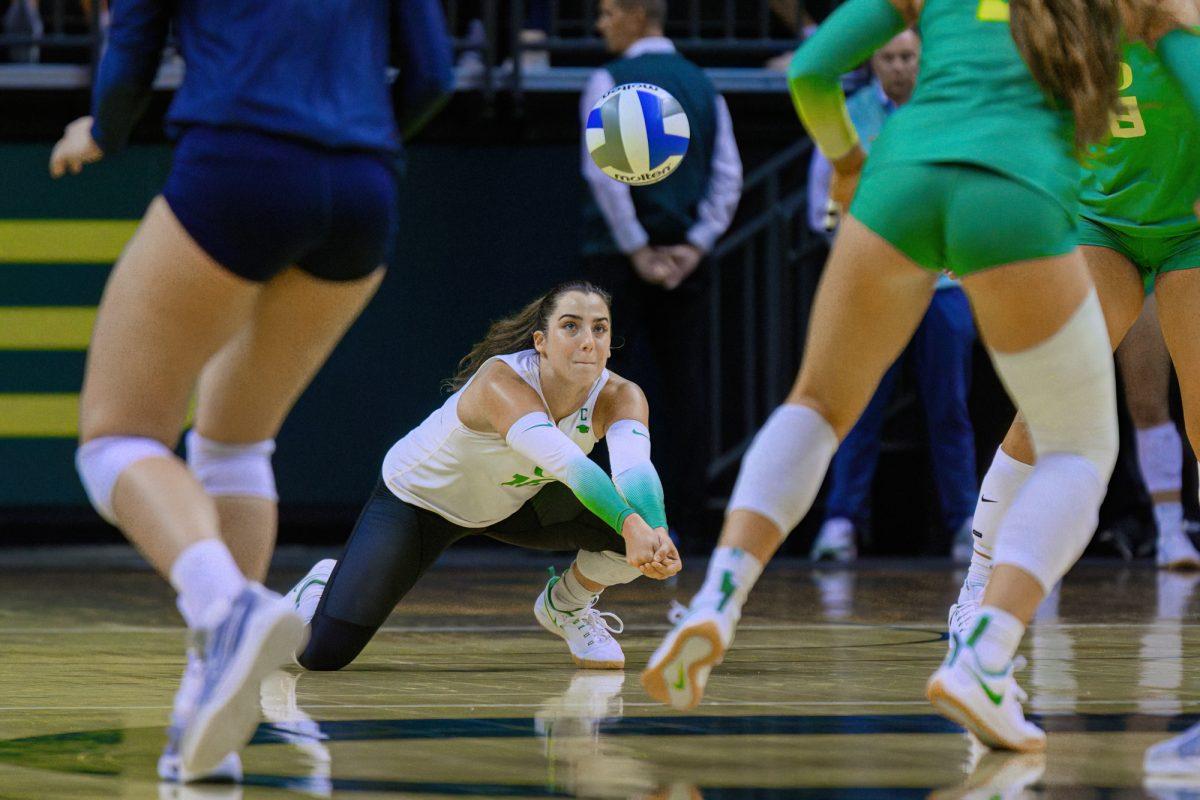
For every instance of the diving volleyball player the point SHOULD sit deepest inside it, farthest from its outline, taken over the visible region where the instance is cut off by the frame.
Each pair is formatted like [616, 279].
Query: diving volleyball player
[506, 457]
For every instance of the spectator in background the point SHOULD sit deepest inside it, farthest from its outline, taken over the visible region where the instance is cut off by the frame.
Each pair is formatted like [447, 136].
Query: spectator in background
[940, 350]
[23, 19]
[646, 245]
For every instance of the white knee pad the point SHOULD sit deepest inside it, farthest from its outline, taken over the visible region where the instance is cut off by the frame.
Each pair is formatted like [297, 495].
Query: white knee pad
[232, 469]
[101, 461]
[783, 469]
[1064, 388]
[606, 568]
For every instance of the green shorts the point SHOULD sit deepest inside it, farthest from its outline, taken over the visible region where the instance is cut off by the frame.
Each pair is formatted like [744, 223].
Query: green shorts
[961, 217]
[1152, 255]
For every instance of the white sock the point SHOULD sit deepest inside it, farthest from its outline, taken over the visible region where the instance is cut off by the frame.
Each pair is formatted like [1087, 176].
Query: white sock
[732, 573]
[1053, 518]
[1160, 460]
[1169, 519]
[205, 574]
[1000, 486]
[569, 594]
[1160, 457]
[996, 637]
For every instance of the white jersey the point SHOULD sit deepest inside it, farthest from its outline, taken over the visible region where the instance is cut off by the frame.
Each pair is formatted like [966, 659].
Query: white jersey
[475, 479]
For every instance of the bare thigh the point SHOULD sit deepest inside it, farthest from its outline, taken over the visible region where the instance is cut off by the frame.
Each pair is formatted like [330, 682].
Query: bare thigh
[167, 308]
[869, 303]
[1178, 295]
[1146, 369]
[1119, 289]
[1018, 306]
[247, 390]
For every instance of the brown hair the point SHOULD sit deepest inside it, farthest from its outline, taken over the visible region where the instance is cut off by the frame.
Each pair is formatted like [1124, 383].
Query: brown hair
[1073, 49]
[515, 333]
[655, 10]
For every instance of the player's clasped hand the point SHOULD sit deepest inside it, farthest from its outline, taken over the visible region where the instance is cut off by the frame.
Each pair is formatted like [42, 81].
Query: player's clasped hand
[649, 549]
[74, 149]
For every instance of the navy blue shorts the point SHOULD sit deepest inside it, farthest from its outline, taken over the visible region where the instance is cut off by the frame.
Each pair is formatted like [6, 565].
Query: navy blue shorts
[259, 204]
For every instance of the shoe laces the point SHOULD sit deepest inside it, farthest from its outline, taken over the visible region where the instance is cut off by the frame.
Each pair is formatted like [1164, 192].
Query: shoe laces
[1019, 663]
[676, 612]
[593, 622]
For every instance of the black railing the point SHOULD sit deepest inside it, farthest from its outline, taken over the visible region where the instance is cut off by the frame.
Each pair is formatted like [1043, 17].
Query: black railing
[61, 47]
[721, 33]
[764, 275]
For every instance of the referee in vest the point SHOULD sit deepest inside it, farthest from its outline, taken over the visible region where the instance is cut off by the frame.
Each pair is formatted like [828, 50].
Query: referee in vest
[646, 245]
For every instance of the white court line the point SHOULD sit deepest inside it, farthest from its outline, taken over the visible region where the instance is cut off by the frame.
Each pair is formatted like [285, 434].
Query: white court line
[909, 627]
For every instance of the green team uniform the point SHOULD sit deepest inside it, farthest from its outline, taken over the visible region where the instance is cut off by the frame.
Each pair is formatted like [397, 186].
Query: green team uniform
[1139, 187]
[978, 168]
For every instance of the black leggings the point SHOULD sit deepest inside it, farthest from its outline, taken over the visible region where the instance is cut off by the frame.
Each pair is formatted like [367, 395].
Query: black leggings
[394, 543]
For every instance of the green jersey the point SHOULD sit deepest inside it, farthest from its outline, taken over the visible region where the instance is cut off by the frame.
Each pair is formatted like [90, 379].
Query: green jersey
[976, 102]
[1144, 180]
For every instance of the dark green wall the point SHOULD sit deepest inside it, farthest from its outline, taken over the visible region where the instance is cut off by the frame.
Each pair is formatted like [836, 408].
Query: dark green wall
[483, 229]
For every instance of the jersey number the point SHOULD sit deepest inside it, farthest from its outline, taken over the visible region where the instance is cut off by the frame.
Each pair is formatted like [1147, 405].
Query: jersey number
[993, 11]
[1129, 123]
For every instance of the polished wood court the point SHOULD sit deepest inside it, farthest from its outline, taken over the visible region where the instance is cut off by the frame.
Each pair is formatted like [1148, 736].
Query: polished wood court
[463, 695]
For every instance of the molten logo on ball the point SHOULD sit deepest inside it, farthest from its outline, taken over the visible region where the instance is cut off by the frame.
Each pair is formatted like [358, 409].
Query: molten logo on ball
[637, 133]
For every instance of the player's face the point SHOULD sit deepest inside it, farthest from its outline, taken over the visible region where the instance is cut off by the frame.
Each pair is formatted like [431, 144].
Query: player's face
[620, 27]
[896, 65]
[579, 336]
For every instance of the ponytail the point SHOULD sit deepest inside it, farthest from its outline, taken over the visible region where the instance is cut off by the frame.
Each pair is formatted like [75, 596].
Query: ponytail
[1073, 49]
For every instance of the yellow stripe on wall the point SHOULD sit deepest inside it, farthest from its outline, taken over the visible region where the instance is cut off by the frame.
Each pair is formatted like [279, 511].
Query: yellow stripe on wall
[46, 327]
[39, 415]
[63, 241]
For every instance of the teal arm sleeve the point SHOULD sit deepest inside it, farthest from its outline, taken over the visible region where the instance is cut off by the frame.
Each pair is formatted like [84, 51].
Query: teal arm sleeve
[845, 40]
[1180, 52]
[633, 472]
[597, 493]
[643, 489]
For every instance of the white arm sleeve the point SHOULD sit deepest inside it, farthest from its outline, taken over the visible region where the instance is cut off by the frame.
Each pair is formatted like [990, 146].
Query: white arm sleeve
[628, 445]
[536, 437]
[613, 197]
[633, 472]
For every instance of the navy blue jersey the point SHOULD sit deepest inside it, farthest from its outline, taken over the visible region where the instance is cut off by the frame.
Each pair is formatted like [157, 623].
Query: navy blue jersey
[310, 69]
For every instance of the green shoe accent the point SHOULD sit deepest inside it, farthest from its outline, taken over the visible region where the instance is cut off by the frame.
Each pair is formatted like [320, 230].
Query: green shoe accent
[996, 699]
[980, 627]
[305, 585]
[728, 587]
[681, 681]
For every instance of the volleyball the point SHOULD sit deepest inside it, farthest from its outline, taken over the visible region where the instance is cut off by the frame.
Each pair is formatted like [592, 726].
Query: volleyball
[637, 133]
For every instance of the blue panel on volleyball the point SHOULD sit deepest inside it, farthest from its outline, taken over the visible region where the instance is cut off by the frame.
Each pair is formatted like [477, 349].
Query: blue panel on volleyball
[662, 145]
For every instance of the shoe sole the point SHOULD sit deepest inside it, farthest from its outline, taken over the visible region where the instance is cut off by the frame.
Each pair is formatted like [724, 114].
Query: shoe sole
[949, 706]
[695, 648]
[579, 662]
[226, 726]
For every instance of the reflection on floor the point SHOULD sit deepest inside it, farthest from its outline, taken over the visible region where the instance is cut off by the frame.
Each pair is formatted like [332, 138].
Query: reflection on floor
[463, 695]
